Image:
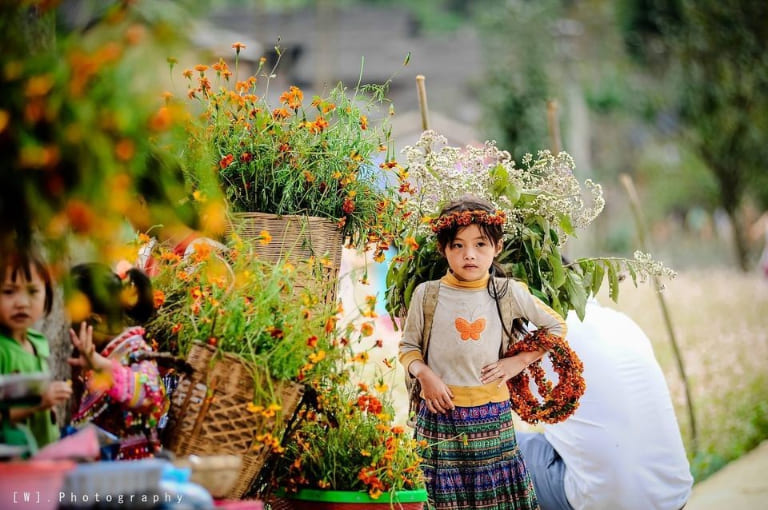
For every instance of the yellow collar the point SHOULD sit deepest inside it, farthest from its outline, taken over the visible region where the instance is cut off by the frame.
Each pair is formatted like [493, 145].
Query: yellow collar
[451, 280]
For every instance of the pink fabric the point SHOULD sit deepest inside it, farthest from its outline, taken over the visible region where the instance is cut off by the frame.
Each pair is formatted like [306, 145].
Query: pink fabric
[136, 387]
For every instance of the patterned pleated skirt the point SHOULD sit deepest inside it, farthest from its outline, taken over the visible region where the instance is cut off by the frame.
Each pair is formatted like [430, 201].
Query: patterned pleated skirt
[473, 460]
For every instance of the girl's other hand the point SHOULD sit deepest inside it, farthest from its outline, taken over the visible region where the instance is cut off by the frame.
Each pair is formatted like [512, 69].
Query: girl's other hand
[56, 393]
[435, 392]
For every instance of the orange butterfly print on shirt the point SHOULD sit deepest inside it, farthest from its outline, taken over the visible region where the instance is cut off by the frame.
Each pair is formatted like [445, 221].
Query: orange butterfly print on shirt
[470, 329]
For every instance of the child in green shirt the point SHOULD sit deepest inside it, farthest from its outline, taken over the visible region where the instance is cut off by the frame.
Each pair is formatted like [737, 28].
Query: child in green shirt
[26, 295]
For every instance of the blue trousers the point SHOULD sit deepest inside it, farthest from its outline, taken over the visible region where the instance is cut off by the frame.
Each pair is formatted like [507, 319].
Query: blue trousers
[546, 468]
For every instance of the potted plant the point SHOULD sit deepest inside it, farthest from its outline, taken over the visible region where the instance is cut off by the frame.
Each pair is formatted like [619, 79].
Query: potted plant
[252, 341]
[319, 166]
[347, 450]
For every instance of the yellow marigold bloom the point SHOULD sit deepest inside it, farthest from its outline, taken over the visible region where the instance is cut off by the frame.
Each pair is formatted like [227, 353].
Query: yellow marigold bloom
[265, 237]
[411, 243]
[366, 329]
[78, 307]
[100, 381]
[362, 357]
[254, 408]
[381, 388]
[317, 357]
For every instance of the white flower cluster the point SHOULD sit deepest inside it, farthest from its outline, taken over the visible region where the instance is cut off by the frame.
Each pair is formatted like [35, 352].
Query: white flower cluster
[646, 266]
[544, 186]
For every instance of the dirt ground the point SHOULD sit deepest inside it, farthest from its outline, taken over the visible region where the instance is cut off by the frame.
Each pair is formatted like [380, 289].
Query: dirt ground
[741, 484]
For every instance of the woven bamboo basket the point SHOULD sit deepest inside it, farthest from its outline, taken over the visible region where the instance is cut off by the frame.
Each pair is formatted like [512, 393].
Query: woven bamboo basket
[209, 414]
[295, 238]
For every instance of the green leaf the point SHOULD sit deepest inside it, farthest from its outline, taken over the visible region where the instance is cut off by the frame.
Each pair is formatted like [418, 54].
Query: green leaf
[558, 272]
[597, 278]
[408, 292]
[502, 185]
[613, 282]
[566, 225]
[577, 294]
[632, 273]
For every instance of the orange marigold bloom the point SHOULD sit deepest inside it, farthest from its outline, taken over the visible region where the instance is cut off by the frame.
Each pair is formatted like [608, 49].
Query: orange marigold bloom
[363, 122]
[318, 125]
[366, 329]
[280, 113]
[238, 46]
[125, 149]
[226, 161]
[158, 297]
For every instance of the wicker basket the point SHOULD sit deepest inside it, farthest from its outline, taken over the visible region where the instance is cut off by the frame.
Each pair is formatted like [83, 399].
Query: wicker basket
[295, 238]
[209, 413]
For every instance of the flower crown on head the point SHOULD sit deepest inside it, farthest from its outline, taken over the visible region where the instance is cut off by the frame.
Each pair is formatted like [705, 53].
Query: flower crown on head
[464, 218]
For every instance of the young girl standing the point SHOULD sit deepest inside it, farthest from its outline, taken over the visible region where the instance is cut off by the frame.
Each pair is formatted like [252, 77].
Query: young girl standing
[465, 414]
[120, 390]
[26, 295]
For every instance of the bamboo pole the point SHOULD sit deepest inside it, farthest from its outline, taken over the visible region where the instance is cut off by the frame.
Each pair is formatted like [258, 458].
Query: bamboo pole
[422, 92]
[553, 126]
[637, 212]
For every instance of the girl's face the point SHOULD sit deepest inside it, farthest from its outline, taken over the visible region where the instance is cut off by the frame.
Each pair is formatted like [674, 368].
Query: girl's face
[471, 254]
[22, 302]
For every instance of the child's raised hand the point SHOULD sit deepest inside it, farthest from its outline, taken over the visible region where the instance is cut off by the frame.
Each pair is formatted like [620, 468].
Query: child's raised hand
[87, 357]
[55, 393]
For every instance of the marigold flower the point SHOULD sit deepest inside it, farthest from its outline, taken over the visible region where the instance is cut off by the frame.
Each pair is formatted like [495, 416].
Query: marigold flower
[238, 46]
[226, 161]
[265, 237]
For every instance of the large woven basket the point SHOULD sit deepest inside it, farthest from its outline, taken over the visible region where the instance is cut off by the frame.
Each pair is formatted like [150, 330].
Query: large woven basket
[295, 238]
[209, 413]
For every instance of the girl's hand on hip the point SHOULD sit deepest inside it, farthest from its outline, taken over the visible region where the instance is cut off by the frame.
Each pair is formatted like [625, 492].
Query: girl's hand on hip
[503, 370]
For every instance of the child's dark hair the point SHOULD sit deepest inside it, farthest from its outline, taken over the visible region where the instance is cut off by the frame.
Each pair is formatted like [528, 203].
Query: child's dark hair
[22, 262]
[468, 203]
[104, 289]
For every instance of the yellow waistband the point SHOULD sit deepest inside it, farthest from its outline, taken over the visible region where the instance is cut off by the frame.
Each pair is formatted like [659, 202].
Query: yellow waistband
[470, 396]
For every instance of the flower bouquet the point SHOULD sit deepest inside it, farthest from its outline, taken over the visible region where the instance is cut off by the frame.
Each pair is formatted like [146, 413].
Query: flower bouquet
[543, 205]
[323, 157]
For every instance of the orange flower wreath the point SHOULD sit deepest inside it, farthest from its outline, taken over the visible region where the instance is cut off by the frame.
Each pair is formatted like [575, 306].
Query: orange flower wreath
[559, 401]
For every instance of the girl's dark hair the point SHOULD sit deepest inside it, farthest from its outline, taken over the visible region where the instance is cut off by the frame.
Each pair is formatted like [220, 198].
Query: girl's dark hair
[22, 262]
[468, 203]
[104, 288]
